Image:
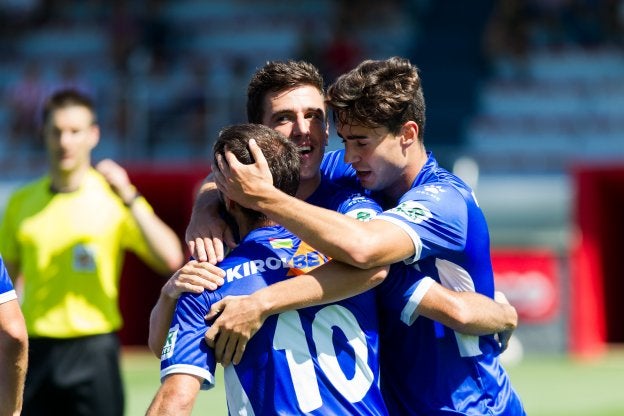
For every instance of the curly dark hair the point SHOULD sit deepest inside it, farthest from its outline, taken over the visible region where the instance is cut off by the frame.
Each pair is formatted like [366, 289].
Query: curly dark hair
[277, 76]
[382, 93]
[281, 154]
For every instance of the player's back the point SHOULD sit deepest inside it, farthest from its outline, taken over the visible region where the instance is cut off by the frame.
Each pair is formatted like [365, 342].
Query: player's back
[318, 360]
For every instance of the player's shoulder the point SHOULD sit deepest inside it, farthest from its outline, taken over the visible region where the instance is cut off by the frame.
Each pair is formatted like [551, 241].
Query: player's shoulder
[29, 189]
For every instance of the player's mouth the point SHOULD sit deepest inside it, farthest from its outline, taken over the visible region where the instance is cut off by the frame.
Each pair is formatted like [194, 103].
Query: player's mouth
[363, 175]
[304, 151]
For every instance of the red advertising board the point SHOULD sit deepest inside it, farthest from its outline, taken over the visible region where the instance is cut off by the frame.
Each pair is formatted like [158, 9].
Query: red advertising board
[530, 281]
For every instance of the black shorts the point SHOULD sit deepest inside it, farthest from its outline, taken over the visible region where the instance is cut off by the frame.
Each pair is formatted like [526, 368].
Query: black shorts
[76, 376]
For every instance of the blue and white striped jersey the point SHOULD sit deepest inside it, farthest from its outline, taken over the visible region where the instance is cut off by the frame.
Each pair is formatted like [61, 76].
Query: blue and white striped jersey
[318, 361]
[427, 368]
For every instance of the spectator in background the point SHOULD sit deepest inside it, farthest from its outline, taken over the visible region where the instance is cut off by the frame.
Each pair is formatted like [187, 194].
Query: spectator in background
[24, 100]
[63, 236]
[13, 348]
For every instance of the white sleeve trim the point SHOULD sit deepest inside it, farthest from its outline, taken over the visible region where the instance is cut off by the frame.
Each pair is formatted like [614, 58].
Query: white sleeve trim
[408, 314]
[412, 234]
[208, 377]
[7, 296]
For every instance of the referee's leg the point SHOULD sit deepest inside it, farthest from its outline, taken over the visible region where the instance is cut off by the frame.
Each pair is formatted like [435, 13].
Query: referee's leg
[85, 379]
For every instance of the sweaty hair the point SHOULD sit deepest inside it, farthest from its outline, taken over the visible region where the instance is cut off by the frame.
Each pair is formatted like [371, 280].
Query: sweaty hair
[277, 76]
[281, 154]
[385, 93]
[66, 98]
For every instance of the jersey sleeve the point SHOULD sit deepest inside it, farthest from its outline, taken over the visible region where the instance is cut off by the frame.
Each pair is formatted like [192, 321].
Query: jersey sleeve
[334, 168]
[359, 207]
[7, 292]
[435, 218]
[185, 351]
[403, 293]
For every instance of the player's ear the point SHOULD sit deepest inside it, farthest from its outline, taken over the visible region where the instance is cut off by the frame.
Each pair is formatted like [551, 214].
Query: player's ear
[409, 133]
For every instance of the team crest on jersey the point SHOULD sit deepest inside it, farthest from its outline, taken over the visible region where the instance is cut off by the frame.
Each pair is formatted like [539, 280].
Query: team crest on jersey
[167, 351]
[412, 211]
[364, 214]
[83, 257]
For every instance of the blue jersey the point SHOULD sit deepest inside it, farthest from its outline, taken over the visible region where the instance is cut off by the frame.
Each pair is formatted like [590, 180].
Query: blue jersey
[318, 360]
[344, 199]
[7, 292]
[426, 367]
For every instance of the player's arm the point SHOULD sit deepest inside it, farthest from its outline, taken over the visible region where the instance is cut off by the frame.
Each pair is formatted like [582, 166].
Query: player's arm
[468, 312]
[206, 231]
[176, 396]
[193, 277]
[369, 244]
[164, 246]
[13, 356]
[240, 317]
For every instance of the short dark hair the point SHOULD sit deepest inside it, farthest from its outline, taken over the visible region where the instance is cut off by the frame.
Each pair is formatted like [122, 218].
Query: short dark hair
[281, 154]
[67, 98]
[277, 76]
[383, 93]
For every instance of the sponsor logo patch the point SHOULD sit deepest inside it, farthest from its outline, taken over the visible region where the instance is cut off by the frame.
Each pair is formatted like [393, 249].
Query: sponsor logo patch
[281, 242]
[412, 211]
[167, 350]
[364, 214]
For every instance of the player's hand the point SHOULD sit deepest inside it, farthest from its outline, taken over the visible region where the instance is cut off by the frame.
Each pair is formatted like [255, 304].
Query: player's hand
[205, 235]
[239, 318]
[242, 183]
[118, 179]
[504, 336]
[193, 277]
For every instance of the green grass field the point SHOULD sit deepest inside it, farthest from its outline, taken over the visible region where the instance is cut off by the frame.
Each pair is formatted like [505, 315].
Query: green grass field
[548, 385]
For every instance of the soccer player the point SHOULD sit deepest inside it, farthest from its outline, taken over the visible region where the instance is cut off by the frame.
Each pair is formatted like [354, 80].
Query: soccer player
[432, 226]
[319, 360]
[13, 347]
[64, 235]
[288, 97]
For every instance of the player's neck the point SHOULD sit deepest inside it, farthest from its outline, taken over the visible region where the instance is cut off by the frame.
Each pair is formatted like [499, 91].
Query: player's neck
[308, 186]
[67, 181]
[248, 227]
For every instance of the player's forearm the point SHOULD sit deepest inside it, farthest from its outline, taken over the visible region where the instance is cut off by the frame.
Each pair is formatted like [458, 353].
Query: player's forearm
[176, 396]
[341, 237]
[328, 283]
[207, 199]
[159, 323]
[468, 312]
[164, 244]
[14, 356]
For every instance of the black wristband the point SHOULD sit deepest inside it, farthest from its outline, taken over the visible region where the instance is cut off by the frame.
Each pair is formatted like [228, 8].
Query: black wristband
[128, 204]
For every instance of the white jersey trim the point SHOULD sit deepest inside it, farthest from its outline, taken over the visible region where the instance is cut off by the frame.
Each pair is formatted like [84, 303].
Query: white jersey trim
[412, 234]
[457, 279]
[208, 377]
[8, 296]
[408, 314]
[235, 395]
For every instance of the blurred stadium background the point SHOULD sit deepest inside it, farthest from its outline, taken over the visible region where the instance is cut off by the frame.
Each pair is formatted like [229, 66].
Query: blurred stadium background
[525, 101]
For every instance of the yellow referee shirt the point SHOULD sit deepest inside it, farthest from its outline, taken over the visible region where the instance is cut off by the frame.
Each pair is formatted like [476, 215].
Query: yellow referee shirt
[70, 247]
